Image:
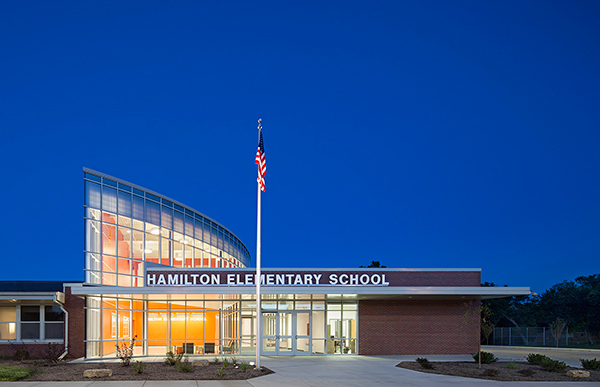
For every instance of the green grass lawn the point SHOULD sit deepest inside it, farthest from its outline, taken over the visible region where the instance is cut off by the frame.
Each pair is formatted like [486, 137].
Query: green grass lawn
[14, 373]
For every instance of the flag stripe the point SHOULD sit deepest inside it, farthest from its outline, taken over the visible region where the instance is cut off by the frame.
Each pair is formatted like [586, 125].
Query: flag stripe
[262, 163]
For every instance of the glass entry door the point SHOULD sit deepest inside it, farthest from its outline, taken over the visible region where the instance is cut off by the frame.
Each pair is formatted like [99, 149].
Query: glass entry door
[286, 333]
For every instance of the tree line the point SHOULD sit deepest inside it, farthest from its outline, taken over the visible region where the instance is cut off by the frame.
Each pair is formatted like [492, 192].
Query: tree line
[574, 303]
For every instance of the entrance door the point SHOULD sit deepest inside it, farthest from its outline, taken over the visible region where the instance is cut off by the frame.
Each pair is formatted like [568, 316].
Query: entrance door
[287, 333]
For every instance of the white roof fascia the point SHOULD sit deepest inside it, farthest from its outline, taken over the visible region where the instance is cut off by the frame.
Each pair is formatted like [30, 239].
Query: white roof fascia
[489, 292]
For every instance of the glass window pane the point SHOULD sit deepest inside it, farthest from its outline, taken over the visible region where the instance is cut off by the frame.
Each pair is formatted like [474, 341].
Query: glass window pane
[178, 222]
[124, 203]
[138, 208]
[92, 194]
[8, 331]
[189, 226]
[8, 313]
[167, 218]
[152, 212]
[53, 313]
[30, 313]
[54, 331]
[30, 331]
[109, 199]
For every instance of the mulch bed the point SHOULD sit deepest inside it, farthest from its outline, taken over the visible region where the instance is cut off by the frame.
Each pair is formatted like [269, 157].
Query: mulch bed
[154, 371]
[471, 370]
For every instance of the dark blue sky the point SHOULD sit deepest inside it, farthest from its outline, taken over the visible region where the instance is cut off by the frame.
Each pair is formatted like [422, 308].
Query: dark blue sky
[420, 134]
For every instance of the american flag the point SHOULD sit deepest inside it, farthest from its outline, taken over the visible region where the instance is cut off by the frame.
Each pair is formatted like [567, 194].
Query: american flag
[262, 163]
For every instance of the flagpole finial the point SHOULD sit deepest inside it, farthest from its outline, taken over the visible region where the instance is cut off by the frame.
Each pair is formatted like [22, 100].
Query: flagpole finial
[259, 123]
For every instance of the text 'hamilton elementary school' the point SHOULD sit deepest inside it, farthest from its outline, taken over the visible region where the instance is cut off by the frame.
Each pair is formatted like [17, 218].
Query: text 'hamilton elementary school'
[161, 272]
[246, 278]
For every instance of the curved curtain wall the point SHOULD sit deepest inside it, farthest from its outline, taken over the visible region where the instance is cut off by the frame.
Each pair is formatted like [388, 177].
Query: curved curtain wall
[126, 226]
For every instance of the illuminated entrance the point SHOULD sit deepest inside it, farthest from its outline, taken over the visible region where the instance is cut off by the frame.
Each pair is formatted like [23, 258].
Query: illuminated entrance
[287, 333]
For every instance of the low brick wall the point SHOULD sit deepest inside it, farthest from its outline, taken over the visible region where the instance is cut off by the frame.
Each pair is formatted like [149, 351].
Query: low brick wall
[417, 327]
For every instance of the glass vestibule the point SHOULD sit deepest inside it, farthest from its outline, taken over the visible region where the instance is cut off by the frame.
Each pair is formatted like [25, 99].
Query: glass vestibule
[215, 324]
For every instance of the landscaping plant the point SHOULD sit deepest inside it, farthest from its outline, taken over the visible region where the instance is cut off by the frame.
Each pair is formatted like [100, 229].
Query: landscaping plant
[139, 367]
[536, 358]
[424, 363]
[554, 365]
[216, 360]
[233, 360]
[173, 359]
[244, 366]
[13, 373]
[52, 352]
[526, 372]
[225, 362]
[185, 365]
[125, 353]
[591, 364]
[220, 371]
[486, 357]
[512, 366]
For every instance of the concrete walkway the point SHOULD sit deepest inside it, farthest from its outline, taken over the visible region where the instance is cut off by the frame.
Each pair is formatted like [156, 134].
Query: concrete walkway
[304, 371]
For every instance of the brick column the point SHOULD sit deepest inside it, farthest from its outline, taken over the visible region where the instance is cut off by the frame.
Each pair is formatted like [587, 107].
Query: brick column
[75, 306]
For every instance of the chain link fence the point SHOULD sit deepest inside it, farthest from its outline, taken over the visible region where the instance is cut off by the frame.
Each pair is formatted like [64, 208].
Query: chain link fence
[539, 337]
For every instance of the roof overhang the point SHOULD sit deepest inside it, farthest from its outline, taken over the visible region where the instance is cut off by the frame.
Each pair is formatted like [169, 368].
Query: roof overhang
[362, 292]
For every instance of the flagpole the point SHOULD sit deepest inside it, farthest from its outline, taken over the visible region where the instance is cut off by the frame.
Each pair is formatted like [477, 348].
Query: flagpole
[257, 279]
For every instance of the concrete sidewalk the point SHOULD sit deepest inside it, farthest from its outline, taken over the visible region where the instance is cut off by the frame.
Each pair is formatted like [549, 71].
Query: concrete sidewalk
[317, 371]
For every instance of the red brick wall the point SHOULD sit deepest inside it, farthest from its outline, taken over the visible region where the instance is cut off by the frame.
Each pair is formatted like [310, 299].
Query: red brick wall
[415, 327]
[75, 306]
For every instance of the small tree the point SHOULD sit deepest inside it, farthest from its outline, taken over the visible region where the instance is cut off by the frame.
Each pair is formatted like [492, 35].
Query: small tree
[556, 328]
[471, 322]
[487, 326]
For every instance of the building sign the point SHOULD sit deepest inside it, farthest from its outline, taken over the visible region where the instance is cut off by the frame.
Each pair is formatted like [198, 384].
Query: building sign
[192, 277]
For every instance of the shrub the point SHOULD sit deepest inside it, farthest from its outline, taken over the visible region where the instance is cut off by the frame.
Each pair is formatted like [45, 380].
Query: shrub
[424, 363]
[185, 365]
[244, 366]
[220, 371]
[173, 359]
[225, 362]
[591, 364]
[512, 366]
[526, 372]
[486, 357]
[21, 350]
[21, 354]
[536, 358]
[554, 365]
[139, 367]
[491, 372]
[125, 353]
[52, 352]
[14, 373]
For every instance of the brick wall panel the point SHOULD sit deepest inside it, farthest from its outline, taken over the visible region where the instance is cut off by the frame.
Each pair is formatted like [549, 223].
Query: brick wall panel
[416, 327]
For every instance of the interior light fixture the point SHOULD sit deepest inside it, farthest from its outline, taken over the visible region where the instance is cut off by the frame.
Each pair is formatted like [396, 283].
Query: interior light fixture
[185, 242]
[147, 251]
[155, 231]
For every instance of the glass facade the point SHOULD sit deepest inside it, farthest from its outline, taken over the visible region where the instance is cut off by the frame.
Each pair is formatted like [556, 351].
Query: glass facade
[220, 324]
[127, 226]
